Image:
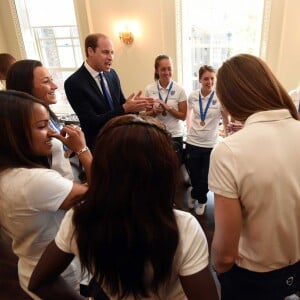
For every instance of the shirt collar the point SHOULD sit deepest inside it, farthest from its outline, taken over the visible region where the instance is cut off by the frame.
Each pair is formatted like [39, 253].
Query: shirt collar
[93, 72]
[204, 97]
[269, 116]
[162, 88]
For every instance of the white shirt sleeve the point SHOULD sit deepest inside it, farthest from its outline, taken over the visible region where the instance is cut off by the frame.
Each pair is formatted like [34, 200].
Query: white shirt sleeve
[191, 98]
[182, 95]
[49, 190]
[222, 178]
[192, 248]
[148, 90]
[65, 239]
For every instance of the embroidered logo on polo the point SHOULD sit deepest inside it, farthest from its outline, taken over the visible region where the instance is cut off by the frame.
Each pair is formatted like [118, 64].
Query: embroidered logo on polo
[214, 102]
[290, 281]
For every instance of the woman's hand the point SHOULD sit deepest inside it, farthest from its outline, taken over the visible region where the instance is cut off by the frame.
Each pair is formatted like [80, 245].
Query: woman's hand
[72, 137]
[178, 114]
[233, 127]
[163, 105]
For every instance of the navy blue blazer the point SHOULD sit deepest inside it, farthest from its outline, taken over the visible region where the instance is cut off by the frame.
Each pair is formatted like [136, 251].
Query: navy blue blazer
[89, 104]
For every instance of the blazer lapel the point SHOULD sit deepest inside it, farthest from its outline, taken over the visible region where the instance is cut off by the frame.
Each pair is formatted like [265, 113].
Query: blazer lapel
[92, 81]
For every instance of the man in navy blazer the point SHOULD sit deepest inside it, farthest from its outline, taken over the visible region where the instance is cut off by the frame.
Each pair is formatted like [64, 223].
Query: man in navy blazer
[84, 92]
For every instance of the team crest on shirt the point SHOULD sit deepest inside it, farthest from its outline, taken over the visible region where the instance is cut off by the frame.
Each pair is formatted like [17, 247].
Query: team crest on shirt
[172, 93]
[214, 102]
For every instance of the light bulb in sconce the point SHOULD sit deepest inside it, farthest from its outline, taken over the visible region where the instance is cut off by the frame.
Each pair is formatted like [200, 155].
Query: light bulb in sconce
[126, 36]
[127, 31]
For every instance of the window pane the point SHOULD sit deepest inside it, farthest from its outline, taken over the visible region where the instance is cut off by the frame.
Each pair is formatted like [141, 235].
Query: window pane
[65, 51]
[54, 12]
[215, 30]
[62, 31]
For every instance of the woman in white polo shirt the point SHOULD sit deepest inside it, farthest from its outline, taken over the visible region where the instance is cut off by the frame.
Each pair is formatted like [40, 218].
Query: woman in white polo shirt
[204, 115]
[33, 197]
[255, 177]
[171, 100]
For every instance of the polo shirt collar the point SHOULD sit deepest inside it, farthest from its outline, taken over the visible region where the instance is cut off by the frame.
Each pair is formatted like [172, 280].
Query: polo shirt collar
[269, 116]
[162, 88]
[207, 96]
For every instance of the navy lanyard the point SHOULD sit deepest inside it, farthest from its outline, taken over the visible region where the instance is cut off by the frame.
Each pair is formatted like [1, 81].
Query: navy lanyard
[54, 125]
[170, 88]
[203, 114]
[299, 107]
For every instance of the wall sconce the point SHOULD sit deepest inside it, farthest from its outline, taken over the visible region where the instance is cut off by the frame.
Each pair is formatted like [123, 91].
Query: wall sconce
[127, 31]
[126, 36]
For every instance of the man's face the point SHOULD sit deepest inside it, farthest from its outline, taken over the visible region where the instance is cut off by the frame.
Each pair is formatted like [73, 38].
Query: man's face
[101, 59]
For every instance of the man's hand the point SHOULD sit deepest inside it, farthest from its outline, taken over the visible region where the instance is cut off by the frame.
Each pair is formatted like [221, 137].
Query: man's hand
[136, 103]
[134, 96]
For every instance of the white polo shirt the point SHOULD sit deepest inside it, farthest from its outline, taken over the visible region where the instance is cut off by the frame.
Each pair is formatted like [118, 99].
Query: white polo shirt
[191, 255]
[260, 166]
[176, 95]
[204, 136]
[30, 215]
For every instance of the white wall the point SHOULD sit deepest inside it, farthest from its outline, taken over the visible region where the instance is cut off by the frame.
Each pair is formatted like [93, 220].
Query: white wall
[8, 36]
[288, 69]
